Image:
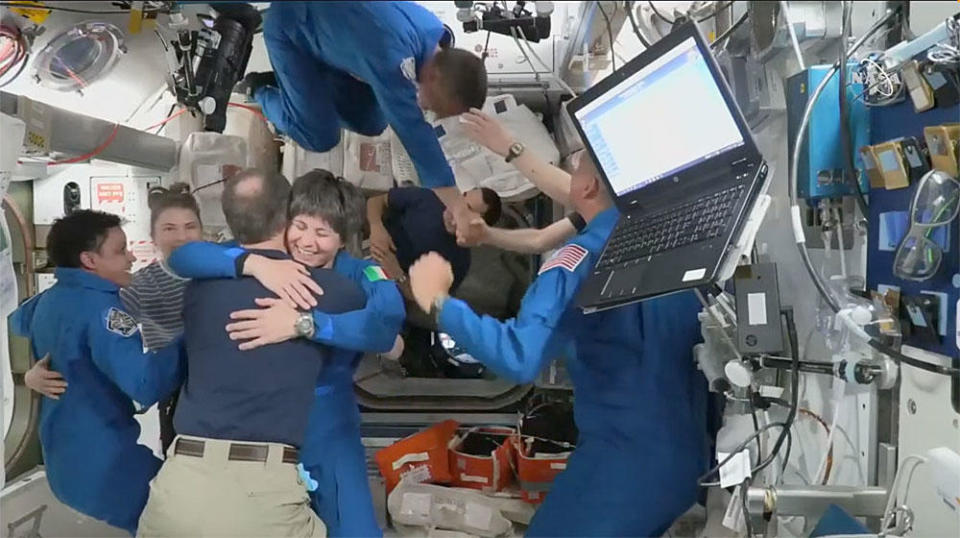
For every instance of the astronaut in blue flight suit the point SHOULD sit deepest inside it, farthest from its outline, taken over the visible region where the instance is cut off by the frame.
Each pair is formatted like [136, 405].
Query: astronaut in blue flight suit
[332, 451]
[639, 402]
[89, 435]
[360, 66]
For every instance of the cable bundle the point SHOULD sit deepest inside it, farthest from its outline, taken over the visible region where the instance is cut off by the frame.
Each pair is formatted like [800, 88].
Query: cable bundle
[13, 52]
[881, 88]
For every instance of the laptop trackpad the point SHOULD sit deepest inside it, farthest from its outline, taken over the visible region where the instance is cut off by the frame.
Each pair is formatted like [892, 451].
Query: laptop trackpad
[624, 281]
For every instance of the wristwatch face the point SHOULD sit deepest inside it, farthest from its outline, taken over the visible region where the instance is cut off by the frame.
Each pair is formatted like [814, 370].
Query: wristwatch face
[304, 325]
[516, 149]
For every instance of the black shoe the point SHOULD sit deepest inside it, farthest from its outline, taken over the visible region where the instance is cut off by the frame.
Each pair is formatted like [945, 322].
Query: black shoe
[254, 81]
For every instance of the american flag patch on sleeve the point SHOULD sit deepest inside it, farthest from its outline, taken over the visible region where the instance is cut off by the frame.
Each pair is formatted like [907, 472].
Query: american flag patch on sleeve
[568, 257]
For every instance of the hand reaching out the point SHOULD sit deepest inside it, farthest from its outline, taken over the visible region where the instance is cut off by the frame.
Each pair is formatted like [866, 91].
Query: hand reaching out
[487, 131]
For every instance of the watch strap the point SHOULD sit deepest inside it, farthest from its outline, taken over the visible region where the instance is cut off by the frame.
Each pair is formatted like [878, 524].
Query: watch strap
[516, 149]
[305, 326]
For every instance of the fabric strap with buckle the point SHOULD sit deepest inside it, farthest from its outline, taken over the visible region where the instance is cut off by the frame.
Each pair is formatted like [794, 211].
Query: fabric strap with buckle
[237, 451]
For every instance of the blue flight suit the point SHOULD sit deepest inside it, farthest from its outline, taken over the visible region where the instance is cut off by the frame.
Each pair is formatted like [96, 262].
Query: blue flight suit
[639, 402]
[89, 435]
[353, 65]
[332, 451]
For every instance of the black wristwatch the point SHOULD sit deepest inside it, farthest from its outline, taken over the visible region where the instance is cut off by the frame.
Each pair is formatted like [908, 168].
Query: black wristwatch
[516, 149]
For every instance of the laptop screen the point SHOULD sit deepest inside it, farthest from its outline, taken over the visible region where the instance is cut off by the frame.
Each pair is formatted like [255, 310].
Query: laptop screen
[668, 116]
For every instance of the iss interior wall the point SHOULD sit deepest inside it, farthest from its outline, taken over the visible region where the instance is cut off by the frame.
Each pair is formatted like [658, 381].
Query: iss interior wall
[127, 95]
[776, 239]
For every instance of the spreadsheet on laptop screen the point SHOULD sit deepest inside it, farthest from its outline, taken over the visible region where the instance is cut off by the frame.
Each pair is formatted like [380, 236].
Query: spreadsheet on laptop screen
[668, 116]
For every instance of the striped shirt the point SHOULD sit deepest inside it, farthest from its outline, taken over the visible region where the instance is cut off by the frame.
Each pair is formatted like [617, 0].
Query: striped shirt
[155, 298]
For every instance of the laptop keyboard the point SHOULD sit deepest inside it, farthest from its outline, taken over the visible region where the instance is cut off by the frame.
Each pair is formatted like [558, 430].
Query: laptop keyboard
[699, 220]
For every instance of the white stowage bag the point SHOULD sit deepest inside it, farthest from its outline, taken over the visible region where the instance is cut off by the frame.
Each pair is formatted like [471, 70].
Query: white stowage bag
[298, 161]
[376, 163]
[367, 161]
[206, 159]
[476, 166]
[263, 151]
[452, 509]
[364, 161]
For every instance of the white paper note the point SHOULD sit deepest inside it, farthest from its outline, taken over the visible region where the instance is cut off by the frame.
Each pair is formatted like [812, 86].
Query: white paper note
[736, 470]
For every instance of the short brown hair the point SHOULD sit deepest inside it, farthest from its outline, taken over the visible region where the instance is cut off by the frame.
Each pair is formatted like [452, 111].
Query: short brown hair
[463, 77]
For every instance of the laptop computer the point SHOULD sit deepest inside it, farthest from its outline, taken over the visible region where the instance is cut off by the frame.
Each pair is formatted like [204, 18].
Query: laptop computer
[676, 154]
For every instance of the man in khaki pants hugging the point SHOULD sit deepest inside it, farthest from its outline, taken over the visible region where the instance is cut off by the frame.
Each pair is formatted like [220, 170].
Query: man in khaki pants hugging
[232, 470]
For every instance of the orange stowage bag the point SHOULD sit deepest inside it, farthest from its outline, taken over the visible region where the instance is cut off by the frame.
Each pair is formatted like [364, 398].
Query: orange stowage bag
[482, 458]
[536, 472]
[424, 456]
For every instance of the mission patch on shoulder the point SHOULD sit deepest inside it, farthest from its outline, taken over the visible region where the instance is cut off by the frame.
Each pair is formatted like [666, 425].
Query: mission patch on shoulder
[120, 322]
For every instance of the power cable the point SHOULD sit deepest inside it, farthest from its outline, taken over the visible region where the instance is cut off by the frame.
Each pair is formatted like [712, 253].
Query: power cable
[254, 110]
[23, 65]
[785, 10]
[613, 55]
[636, 28]
[794, 386]
[850, 174]
[14, 52]
[536, 74]
[784, 426]
[659, 15]
[786, 454]
[716, 11]
[756, 427]
[170, 117]
[747, 523]
[96, 151]
[533, 53]
[729, 31]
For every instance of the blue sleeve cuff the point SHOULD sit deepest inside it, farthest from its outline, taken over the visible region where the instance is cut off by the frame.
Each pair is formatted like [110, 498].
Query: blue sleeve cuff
[233, 252]
[239, 257]
[448, 314]
[323, 325]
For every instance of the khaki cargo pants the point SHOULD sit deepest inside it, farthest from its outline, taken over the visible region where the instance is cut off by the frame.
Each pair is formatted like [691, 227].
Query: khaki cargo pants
[213, 496]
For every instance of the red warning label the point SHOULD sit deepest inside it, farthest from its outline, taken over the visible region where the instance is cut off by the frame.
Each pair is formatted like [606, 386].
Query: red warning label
[110, 193]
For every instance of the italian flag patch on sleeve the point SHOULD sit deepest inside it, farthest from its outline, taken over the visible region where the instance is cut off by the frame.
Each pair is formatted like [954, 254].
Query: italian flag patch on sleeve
[374, 273]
